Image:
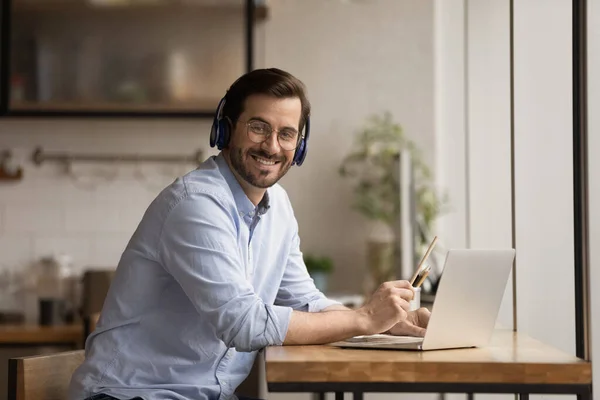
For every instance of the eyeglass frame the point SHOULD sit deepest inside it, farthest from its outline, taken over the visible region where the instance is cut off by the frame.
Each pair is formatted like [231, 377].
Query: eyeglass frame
[267, 137]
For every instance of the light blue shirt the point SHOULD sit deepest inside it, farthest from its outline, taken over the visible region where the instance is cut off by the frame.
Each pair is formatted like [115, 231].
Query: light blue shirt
[206, 281]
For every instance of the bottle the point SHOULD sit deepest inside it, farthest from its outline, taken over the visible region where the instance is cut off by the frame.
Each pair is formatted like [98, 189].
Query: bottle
[54, 305]
[48, 282]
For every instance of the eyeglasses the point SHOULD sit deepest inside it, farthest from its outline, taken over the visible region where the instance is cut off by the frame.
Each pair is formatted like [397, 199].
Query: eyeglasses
[259, 131]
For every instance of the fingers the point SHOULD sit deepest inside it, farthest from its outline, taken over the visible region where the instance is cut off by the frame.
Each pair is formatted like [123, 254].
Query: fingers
[406, 328]
[419, 317]
[401, 288]
[401, 297]
[406, 294]
[423, 316]
[413, 330]
[400, 292]
[402, 313]
[399, 284]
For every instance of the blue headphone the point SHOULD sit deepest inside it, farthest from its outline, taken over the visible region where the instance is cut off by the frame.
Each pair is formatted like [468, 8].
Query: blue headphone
[219, 134]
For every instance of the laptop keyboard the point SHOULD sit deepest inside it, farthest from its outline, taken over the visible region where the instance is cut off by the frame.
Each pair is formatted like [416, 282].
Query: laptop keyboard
[385, 339]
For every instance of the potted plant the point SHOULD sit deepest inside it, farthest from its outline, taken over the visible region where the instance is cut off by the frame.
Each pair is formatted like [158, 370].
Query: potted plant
[372, 166]
[319, 269]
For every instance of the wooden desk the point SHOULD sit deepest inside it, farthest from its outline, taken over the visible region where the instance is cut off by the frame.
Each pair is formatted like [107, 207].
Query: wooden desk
[513, 363]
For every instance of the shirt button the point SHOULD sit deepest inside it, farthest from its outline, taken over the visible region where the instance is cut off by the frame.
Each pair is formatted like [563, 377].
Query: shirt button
[241, 213]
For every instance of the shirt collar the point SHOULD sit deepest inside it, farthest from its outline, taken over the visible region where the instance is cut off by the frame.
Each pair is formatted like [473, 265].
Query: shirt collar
[264, 204]
[243, 203]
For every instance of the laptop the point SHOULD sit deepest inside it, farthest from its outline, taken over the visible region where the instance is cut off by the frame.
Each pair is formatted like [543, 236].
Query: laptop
[466, 305]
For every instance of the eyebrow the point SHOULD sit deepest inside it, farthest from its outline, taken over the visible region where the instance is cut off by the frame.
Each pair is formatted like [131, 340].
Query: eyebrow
[267, 122]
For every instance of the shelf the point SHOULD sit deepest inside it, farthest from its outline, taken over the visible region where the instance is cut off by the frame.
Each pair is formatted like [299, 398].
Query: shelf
[62, 6]
[125, 58]
[203, 109]
[114, 107]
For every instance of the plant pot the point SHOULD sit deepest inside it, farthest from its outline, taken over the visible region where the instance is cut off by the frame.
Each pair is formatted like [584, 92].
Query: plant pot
[321, 280]
[380, 256]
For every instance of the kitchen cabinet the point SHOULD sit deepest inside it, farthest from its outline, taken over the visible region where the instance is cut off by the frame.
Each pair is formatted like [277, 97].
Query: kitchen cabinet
[123, 57]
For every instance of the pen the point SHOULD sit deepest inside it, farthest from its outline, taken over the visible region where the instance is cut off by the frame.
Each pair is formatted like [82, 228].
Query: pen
[421, 277]
[425, 256]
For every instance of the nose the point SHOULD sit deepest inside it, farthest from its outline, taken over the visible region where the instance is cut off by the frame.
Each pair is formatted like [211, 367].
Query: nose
[271, 145]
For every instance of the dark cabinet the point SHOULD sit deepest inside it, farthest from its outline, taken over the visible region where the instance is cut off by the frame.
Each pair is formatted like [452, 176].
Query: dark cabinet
[123, 57]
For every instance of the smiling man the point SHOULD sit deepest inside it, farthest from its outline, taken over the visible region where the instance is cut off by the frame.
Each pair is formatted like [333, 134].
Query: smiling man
[214, 271]
[258, 157]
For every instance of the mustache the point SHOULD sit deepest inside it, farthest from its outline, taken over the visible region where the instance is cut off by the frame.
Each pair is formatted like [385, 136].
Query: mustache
[264, 155]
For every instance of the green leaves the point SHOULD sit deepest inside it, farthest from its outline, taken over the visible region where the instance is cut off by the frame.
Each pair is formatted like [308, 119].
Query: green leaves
[318, 264]
[372, 166]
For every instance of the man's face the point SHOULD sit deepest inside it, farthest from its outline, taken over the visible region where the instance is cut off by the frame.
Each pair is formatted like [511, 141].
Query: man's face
[262, 164]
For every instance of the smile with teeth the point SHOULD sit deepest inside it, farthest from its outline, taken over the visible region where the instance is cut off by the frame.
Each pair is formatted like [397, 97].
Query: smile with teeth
[264, 161]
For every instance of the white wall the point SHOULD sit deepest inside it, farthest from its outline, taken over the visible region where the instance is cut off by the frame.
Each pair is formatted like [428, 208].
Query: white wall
[450, 120]
[473, 126]
[544, 172]
[543, 151]
[488, 131]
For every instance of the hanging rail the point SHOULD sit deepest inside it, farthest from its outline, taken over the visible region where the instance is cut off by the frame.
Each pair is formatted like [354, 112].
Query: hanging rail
[40, 156]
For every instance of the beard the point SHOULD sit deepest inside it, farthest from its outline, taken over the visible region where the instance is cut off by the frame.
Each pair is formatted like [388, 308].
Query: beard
[263, 179]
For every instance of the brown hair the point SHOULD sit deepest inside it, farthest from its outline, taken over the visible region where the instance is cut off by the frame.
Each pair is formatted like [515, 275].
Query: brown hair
[270, 81]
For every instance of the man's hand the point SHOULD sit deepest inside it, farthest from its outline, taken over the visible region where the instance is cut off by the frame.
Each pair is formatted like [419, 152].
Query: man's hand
[386, 310]
[387, 307]
[415, 324]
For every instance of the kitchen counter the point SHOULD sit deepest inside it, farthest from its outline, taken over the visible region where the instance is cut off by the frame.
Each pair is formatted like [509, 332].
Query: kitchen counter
[22, 340]
[41, 335]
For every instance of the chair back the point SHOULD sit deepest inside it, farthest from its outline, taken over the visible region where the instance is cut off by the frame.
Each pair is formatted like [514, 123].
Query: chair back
[42, 377]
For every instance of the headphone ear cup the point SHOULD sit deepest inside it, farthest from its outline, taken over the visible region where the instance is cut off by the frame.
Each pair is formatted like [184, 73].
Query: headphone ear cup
[302, 149]
[223, 134]
[216, 132]
[300, 153]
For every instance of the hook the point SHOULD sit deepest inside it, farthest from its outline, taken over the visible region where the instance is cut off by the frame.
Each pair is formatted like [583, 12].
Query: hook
[8, 173]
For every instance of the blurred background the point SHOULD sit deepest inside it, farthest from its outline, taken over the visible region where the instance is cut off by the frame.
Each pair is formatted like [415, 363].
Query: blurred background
[452, 118]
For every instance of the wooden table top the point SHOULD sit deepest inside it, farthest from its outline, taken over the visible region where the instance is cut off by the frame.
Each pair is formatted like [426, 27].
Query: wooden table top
[510, 358]
[37, 334]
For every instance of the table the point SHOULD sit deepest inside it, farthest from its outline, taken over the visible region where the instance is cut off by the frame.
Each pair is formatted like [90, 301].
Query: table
[512, 363]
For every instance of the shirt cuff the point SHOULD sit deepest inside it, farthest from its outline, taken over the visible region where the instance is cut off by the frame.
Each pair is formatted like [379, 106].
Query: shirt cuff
[321, 304]
[281, 317]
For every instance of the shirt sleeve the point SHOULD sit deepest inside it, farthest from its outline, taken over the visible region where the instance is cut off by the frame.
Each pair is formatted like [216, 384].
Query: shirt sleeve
[198, 247]
[297, 289]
